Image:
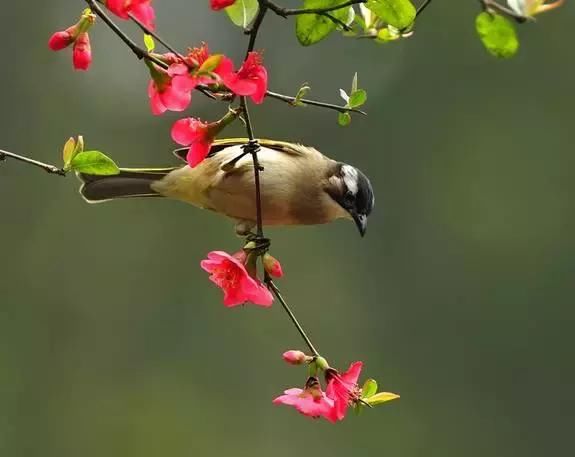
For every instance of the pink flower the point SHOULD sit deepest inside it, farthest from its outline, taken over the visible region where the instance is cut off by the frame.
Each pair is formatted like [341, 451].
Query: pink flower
[187, 75]
[272, 266]
[311, 401]
[194, 133]
[163, 93]
[140, 9]
[343, 389]
[221, 4]
[229, 274]
[251, 80]
[82, 53]
[295, 357]
[62, 39]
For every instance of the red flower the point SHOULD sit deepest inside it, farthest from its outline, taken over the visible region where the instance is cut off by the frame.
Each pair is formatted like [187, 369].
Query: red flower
[343, 389]
[140, 9]
[230, 274]
[82, 54]
[311, 401]
[163, 93]
[196, 134]
[251, 80]
[62, 39]
[188, 75]
[221, 4]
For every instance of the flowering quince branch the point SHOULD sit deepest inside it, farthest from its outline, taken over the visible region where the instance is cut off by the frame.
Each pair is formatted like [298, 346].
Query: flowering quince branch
[174, 76]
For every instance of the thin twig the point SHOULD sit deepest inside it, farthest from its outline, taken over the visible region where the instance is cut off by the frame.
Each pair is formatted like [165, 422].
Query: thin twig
[291, 315]
[422, 7]
[285, 12]
[289, 99]
[140, 52]
[45, 166]
[253, 145]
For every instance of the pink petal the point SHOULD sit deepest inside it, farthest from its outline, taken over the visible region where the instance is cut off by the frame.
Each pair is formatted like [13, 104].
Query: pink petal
[352, 374]
[186, 131]
[176, 100]
[197, 153]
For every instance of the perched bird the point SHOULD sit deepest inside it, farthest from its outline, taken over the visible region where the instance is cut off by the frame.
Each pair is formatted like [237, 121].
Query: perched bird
[299, 185]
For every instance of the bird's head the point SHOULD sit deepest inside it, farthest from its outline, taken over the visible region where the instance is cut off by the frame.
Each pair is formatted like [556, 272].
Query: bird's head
[351, 189]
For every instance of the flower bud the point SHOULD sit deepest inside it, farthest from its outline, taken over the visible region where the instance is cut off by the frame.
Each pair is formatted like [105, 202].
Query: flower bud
[296, 357]
[61, 40]
[82, 56]
[272, 266]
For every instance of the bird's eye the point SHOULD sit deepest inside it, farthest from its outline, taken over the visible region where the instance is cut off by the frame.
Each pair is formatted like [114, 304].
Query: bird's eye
[349, 198]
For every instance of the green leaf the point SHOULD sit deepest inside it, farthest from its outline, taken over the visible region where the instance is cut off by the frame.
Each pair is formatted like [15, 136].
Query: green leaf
[301, 93]
[94, 163]
[149, 42]
[380, 398]
[387, 34]
[354, 83]
[497, 34]
[398, 13]
[68, 151]
[369, 388]
[243, 12]
[357, 98]
[211, 63]
[344, 119]
[311, 28]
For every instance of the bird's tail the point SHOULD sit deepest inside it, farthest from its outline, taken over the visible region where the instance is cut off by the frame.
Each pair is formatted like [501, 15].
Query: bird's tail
[131, 182]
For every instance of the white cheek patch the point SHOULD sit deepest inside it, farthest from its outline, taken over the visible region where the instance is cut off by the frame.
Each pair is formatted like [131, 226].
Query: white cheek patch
[350, 178]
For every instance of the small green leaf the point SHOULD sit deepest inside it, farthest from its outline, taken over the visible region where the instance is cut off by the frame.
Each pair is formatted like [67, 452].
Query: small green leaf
[68, 152]
[398, 13]
[344, 119]
[357, 98]
[354, 83]
[94, 163]
[301, 93]
[149, 42]
[243, 12]
[381, 397]
[497, 34]
[211, 63]
[369, 388]
[387, 34]
[311, 28]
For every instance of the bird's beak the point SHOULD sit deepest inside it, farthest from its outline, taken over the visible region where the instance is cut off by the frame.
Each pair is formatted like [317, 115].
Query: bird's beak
[361, 222]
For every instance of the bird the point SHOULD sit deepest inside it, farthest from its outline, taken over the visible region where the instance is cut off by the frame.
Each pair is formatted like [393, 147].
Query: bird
[299, 185]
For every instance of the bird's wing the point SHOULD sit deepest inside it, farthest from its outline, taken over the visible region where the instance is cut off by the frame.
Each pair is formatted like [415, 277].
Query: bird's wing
[280, 146]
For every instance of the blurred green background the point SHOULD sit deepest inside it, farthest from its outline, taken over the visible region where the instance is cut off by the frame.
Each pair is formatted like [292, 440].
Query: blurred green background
[114, 343]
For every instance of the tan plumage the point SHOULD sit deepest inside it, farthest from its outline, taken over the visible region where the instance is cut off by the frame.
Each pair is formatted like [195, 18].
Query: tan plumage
[298, 184]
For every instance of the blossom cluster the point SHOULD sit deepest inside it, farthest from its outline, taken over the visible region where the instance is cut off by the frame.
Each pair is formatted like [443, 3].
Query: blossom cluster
[172, 82]
[342, 390]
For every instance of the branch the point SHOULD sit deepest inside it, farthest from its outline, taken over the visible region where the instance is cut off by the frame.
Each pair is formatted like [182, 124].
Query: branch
[52, 169]
[289, 99]
[285, 12]
[277, 293]
[140, 52]
[422, 7]
[253, 146]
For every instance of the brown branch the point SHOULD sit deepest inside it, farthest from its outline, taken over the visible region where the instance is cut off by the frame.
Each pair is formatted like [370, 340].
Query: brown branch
[52, 169]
